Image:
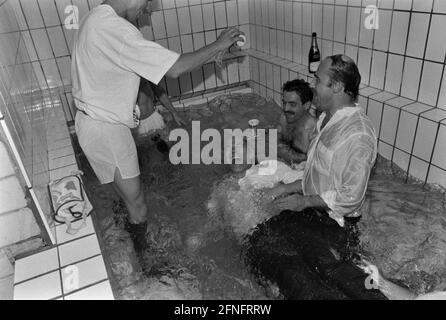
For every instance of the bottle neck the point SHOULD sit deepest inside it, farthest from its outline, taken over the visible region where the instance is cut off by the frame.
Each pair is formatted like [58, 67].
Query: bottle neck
[314, 42]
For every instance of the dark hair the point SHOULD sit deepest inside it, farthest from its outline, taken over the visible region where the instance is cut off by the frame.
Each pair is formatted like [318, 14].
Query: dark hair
[301, 87]
[343, 69]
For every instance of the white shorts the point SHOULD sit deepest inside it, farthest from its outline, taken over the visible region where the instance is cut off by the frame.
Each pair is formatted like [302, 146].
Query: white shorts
[107, 146]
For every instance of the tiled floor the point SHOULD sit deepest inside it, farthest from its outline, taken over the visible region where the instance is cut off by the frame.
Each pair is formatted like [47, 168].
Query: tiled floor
[74, 268]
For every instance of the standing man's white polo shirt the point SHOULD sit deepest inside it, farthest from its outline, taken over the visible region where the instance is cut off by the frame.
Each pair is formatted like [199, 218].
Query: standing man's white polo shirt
[109, 58]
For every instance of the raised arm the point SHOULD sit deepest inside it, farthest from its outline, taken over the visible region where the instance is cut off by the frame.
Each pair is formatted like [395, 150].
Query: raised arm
[189, 61]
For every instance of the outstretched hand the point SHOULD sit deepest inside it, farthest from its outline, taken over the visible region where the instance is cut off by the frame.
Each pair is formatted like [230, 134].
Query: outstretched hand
[229, 36]
[295, 202]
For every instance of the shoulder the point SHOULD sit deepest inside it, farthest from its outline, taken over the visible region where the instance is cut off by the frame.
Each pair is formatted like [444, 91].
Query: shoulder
[310, 122]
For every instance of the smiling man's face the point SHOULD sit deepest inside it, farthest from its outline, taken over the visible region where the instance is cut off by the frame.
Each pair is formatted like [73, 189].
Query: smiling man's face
[292, 106]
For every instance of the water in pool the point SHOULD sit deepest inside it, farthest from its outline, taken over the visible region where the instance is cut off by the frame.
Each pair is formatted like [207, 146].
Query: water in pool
[198, 254]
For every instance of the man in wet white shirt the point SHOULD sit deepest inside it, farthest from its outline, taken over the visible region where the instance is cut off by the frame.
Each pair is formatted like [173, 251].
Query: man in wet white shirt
[308, 249]
[110, 55]
[343, 150]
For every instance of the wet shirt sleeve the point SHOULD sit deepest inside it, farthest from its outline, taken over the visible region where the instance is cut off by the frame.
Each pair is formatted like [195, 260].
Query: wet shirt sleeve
[146, 58]
[351, 166]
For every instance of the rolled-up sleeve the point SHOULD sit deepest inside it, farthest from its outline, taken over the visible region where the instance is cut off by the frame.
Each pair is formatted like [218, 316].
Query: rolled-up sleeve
[351, 166]
[146, 58]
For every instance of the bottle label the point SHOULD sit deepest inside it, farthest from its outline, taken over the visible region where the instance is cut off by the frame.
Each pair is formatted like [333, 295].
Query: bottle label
[314, 66]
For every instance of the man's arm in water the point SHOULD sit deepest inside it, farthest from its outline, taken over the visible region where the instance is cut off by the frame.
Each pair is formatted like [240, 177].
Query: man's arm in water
[165, 101]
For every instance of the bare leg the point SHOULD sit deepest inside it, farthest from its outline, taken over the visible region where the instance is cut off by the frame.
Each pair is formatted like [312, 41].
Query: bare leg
[130, 190]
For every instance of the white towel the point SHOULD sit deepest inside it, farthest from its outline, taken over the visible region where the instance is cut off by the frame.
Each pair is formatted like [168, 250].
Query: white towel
[268, 174]
[151, 124]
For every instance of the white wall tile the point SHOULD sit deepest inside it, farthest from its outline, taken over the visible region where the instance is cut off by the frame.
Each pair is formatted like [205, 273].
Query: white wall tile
[430, 83]
[365, 35]
[288, 46]
[159, 29]
[439, 158]
[338, 48]
[57, 40]
[168, 4]
[437, 176]
[243, 11]
[379, 60]
[171, 19]
[374, 111]
[42, 44]
[440, 6]
[15, 5]
[209, 16]
[297, 48]
[424, 5]
[382, 34]
[442, 96]
[220, 15]
[424, 141]
[232, 12]
[364, 61]
[399, 31]
[184, 20]
[436, 46]
[51, 72]
[281, 44]
[32, 14]
[280, 15]
[351, 51]
[389, 124]
[403, 4]
[327, 25]
[326, 48]
[196, 18]
[64, 64]
[49, 13]
[417, 34]
[418, 168]
[340, 23]
[411, 78]
[401, 159]
[306, 21]
[36, 265]
[394, 73]
[354, 19]
[317, 19]
[82, 5]
[288, 11]
[406, 131]
[297, 17]
[385, 150]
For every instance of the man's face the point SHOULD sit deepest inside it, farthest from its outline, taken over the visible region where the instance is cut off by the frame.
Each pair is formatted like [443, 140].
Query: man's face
[292, 106]
[321, 85]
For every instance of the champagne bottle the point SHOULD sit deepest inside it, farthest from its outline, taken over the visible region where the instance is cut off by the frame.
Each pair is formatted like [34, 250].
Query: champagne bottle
[314, 57]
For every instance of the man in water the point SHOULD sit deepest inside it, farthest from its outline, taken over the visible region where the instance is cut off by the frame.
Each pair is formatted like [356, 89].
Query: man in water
[110, 56]
[321, 212]
[296, 125]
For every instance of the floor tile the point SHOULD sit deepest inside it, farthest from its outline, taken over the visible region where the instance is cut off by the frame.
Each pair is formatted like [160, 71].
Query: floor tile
[42, 288]
[78, 250]
[36, 264]
[82, 274]
[101, 291]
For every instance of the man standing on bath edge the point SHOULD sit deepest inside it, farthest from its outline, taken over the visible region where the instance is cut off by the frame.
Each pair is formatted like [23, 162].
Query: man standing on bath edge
[109, 57]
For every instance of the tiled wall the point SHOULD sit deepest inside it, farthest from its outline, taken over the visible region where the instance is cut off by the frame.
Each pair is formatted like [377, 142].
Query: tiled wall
[181, 25]
[405, 55]
[401, 63]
